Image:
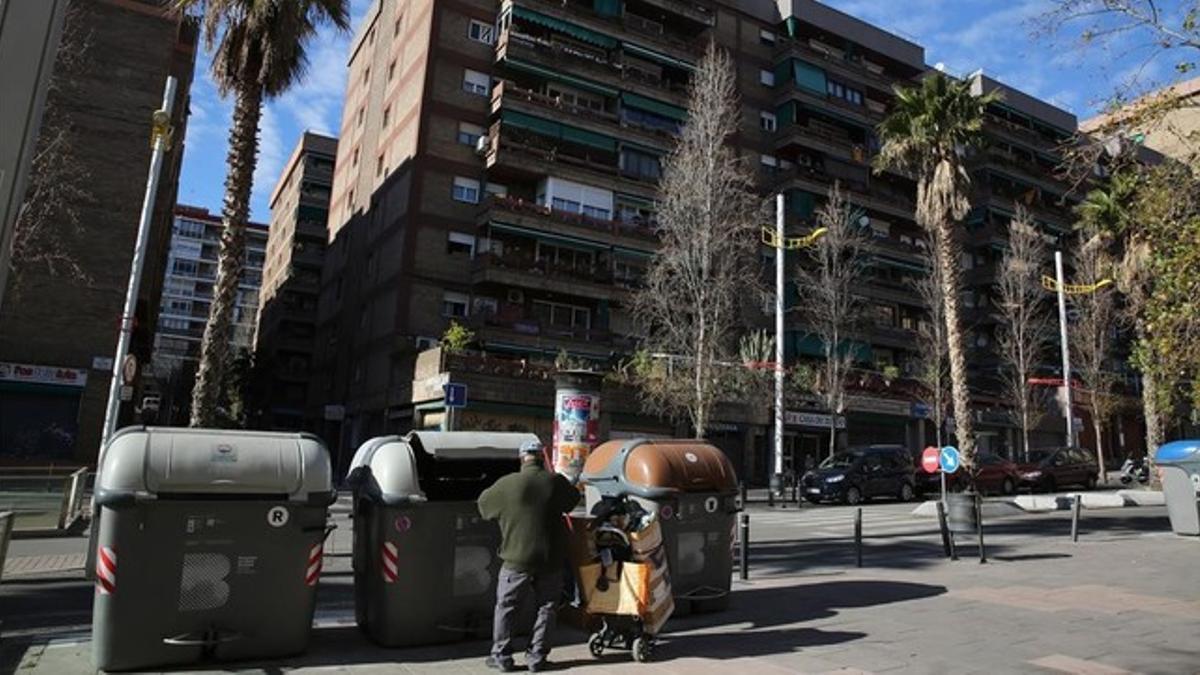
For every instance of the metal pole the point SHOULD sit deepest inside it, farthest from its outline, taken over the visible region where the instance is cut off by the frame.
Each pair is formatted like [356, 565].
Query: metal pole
[1075, 518]
[858, 544]
[780, 252]
[161, 130]
[744, 544]
[742, 495]
[941, 512]
[1066, 351]
[135, 271]
[979, 526]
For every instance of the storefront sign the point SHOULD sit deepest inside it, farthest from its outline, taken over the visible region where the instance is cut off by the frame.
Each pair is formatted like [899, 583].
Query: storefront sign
[881, 406]
[817, 420]
[19, 372]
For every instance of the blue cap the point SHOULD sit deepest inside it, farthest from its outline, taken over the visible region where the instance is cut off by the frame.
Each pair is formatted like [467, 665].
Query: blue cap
[530, 448]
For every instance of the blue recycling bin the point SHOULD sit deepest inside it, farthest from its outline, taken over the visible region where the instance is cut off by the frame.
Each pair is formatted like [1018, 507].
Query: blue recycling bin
[1179, 465]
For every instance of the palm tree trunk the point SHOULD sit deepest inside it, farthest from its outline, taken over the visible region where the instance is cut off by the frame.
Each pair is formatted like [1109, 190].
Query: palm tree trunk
[214, 349]
[960, 396]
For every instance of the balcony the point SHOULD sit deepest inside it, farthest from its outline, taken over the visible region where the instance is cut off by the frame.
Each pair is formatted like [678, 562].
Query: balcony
[542, 336]
[857, 70]
[876, 195]
[538, 217]
[688, 10]
[900, 293]
[508, 95]
[826, 141]
[650, 32]
[514, 44]
[1003, 199]
[1016, 133]
[1024, 168]
[891, 336]
[869, 114]
[524, 271]
[524, 155]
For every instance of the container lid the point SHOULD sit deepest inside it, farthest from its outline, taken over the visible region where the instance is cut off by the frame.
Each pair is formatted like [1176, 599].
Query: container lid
[150, 461]
[387, 467]
[652, 469]
[1177, 451]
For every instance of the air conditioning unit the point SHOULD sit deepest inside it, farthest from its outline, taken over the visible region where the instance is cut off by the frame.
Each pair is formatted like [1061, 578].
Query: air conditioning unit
[481, 145]
[424, 343]
[516, 296]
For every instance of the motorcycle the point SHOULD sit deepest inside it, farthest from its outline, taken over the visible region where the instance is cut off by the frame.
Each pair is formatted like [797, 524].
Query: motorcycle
[1132, 470]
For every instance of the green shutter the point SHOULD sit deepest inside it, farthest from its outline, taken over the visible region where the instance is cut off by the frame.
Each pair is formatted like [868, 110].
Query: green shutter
[588, 138]
[607, 7]
[577, 32]
[657, 57]
[783, 72]
[801, 203]
[786, 114]
[569, 80]
[656, 107]
[530, 123]
[808, 76]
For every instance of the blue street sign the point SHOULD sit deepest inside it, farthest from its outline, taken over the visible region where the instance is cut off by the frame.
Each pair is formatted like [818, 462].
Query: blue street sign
[455, 395]
[949, 459]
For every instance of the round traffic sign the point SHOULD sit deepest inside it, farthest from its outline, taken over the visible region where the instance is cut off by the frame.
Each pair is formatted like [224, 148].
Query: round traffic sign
[949, 459]
[931, 460]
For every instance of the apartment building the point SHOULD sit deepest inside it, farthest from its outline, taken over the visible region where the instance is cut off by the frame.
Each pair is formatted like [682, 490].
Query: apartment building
[498, 168]
[58, 331]
[191, 272]
[287, 302]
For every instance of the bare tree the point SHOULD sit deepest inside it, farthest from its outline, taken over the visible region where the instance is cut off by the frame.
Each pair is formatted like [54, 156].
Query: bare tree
[700, 278]
[1092, 333]
[933, 352]
[1026, 325]
[828, 279]
[58, 181]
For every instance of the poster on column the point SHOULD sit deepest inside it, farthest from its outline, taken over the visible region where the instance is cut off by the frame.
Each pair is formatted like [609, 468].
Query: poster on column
[576, 429]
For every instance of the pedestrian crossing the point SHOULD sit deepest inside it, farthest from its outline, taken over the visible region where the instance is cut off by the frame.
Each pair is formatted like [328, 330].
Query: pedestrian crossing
[837, 521]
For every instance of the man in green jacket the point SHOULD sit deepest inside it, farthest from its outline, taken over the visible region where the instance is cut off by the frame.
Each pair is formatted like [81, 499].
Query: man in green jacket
[529, 506]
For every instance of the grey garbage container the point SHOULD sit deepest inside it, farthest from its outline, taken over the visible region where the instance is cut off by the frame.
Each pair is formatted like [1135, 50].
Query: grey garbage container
[425, 563]
[209, 545]
[693, 488]
[1179, 462]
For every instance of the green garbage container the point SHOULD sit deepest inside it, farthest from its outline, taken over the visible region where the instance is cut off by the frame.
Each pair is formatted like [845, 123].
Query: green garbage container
[425, 562]
[209, 546]
[692, 487]
[1179, 462]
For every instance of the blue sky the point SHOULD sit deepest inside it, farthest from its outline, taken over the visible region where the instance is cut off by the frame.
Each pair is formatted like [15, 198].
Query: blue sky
[961, 34]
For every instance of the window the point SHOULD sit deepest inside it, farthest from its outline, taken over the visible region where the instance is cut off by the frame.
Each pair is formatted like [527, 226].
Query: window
[391, 70]
[362, 115]
[839, 90]
[354, 158]
[767, 121]
[596, 212]
[387, 116]
[396, 26]
[457, 242]
[481, 32]
[186, 267]
[475, 82]
[560, 204]
[766, 78]
[561, 315]
[469, 134]
[465, 190]
[766, 37]
[189, 228]
[496, 189]
[640, 165]
[366, 74]
[572, 97]
[454, 305]
[768, 162]
[380, 168]
[563, 256]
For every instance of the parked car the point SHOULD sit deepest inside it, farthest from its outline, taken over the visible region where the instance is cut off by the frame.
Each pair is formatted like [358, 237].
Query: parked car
[1051, 468]
[995, 474]
[861, 473]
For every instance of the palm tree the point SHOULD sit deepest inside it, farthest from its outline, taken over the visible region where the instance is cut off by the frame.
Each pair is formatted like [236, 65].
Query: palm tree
[257, 53]
[928, 132]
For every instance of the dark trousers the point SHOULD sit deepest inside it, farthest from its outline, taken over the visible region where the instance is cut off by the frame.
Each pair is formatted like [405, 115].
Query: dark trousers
[511, 591]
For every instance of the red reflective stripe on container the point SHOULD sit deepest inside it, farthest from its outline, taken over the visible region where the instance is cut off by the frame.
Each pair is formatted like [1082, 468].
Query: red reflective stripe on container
[106, 571]
[315, 562]
[390, 557]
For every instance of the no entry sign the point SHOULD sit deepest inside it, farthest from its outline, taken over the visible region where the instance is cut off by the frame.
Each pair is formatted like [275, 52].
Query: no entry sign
[931, 460]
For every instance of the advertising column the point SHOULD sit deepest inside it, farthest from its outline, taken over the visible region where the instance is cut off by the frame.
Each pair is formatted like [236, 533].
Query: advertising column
[576, 419]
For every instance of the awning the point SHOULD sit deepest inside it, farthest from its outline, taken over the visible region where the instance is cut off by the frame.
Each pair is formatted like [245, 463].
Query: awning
[657, 107]
[657, 57]
[557, 76]
[546, 236]
[633, 252]
[809, 77]
[552, 129]
[578, 32]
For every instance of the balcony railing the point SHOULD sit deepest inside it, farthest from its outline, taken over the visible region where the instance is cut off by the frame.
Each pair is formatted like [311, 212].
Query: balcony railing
[507, 91]
[871, 72]
[520, 142]
[525, 264]
[517, 206]
[552, 52]
[535, 327]
[1028, 168]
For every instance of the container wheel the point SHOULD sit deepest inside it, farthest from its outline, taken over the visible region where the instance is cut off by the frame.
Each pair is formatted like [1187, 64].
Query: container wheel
[642, 648]
[596, 644]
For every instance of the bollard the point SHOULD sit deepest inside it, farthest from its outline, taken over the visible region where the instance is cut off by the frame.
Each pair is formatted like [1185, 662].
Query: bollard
[945, 528]
[1075, 518]
[770, 497]
[858, 544]
[979, 526]
[744, 541]
[742, 495]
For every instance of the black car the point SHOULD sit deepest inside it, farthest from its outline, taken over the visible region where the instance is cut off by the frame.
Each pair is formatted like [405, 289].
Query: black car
[1048, 469]
[861, 473]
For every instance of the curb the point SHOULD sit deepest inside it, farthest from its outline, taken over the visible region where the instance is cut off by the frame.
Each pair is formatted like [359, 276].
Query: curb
[1013, 506]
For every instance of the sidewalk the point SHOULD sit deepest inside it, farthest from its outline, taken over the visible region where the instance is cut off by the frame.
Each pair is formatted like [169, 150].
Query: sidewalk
[1126, 598]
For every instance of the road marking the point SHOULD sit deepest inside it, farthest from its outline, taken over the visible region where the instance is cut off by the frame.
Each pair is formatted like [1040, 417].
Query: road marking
[1069, 664]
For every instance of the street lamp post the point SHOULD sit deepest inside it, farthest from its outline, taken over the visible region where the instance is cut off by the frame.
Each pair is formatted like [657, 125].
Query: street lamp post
[1060, 287]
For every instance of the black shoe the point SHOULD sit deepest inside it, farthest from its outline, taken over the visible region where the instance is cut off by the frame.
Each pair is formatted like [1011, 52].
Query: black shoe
[502, 665]
[539, 666]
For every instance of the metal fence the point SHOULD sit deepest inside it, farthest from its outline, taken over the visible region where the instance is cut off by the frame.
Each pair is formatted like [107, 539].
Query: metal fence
[6, 527]
[44, 498]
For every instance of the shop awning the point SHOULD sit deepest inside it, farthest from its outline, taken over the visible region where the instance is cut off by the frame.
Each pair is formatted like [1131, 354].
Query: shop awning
[657, 107]
[563, 78]
[657, 57]
[578, 32]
